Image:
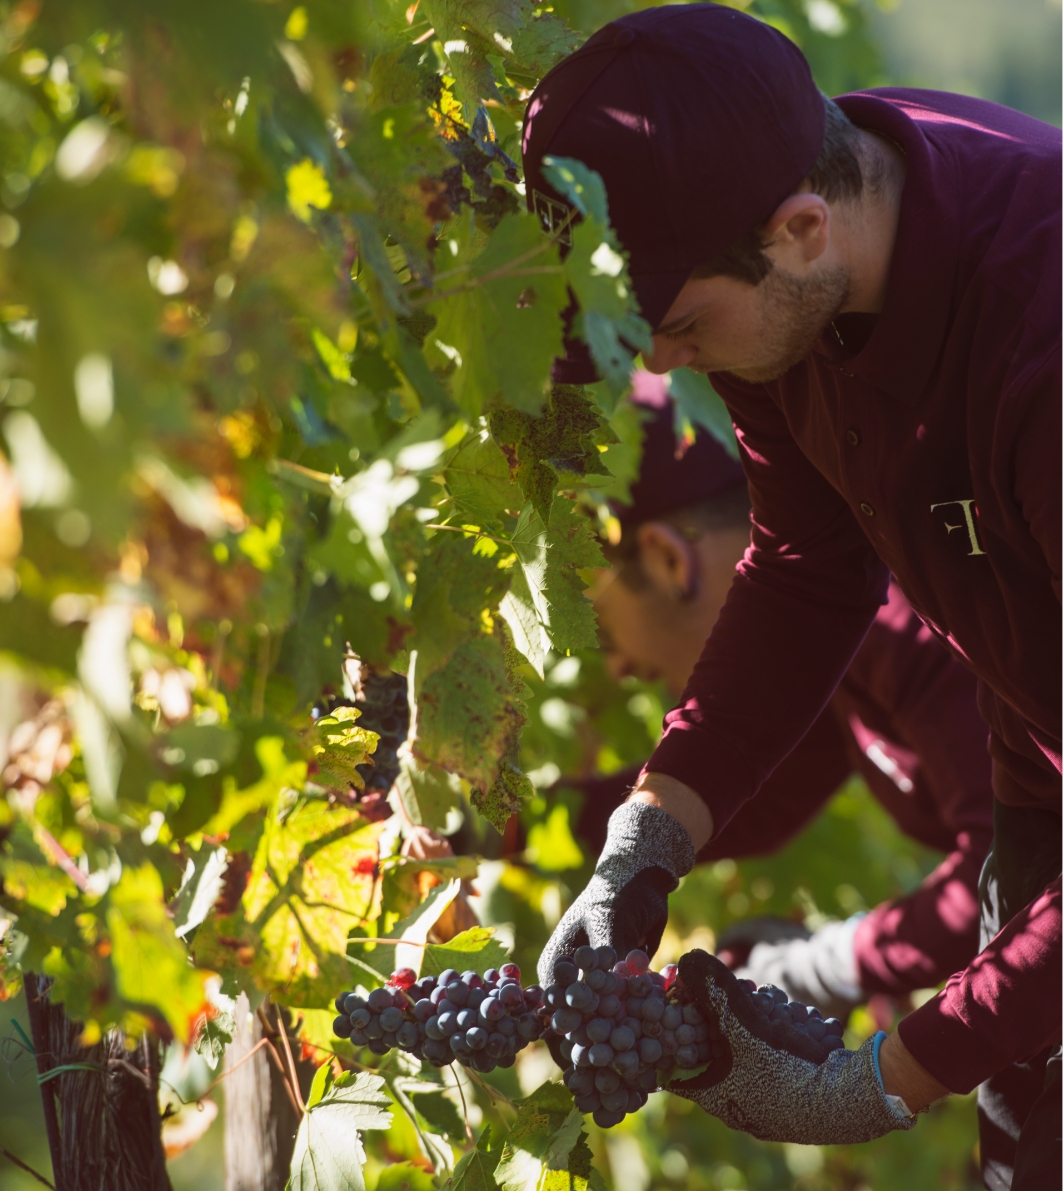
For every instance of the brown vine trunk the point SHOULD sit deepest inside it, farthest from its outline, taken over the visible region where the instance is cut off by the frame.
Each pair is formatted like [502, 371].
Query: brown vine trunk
[260, 1121]
[104, 1128]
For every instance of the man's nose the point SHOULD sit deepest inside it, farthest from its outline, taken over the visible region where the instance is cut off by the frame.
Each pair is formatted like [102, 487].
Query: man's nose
[667, 354]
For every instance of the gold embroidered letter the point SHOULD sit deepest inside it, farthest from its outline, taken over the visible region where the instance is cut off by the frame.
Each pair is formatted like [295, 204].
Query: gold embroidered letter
[972, 532]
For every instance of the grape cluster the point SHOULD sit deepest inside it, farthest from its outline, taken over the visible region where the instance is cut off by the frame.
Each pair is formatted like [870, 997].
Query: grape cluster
[771, 1003]
[622, 1030]
[480, 1021]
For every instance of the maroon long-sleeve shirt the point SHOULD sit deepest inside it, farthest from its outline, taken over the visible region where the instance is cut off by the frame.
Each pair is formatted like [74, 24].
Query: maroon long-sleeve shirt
[905, 717]
[924, 442]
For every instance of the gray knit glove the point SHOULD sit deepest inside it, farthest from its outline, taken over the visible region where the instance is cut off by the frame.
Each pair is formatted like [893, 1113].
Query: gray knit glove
[818, 970]
[772, 1081]
[625, 903]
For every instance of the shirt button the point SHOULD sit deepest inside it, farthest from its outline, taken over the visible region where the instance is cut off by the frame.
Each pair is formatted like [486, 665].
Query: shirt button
[845, 372]
[866, 509]
[852, 437]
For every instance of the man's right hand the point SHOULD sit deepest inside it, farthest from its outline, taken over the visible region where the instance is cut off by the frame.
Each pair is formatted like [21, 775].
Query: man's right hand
[625, 903]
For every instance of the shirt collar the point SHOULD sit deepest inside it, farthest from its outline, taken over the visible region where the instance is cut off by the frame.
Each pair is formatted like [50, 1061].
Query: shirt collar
[900, 355]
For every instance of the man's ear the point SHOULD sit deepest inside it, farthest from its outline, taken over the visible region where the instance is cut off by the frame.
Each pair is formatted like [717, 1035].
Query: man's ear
[799, 229]
[669, 560]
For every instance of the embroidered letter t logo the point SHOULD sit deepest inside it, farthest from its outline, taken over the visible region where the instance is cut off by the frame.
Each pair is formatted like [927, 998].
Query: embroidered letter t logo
[968, 523]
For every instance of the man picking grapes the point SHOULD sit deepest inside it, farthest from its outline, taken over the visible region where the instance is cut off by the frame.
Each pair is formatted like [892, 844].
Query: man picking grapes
[873, 286]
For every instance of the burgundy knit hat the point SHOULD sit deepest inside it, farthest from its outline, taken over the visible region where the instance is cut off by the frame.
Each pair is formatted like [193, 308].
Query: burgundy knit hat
[669, 479]
[700, 120]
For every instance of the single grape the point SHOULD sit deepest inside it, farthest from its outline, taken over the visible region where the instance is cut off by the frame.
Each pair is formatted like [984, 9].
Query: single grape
[533, 996]
[341, 1002]
[424, 1009]
[408, 1035]
[585, 958]
[814, 1012]
[378, 1046]
[687, 1056]
[509, 971]
[668, 1042]
[472, 979]
[781, 1012]
[565, 973]
[459, 1045]
[692, 1015]
[360, 1018]
[491, 1009]
[476, 1037]
[832, 1042]
[447, 975]
[379, 1000]
[511, 995]
[492, 976]
[626, 1063]
[639, 986]
[391, 1019]
[481, 1061]
[616, 1100]
[653, 1009]
[566, 1048]
[672, 1016]
[647, 1080]
[588, 1102]
[373, 1029]
[467, 1018]
[595, 979]
[605, 1119]
[609, 1006]
[669, 973]
[606, 1080]
[832, 1025]
[448, 1023]
[579, 996]
[437, 994]
[581, 1036]
[777, 994]
[622, 970]
[606, 957]
[580, 1081]
[403, 978]
[566, 1019]
[798, 1012]
[763, 1003]
[458, 993]
[553, 996]
[341, 1027]
[599, 1029]
[578, 1053]
[496, 1045]
[476, 997]
[634, 1025]
[622, 1038]
[528, 1027]
[437, 1051]
[749, 985]
[816, 1028]
[685, 1034]
[601, 1054]
[650, 1050]
[652, 1029]
[637, 960]
[507, 1026]
[610, 982]
[428, 983]
[358, 1038]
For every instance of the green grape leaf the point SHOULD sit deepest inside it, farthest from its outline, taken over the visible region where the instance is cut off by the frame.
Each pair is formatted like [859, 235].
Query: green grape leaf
[476, 1170]
[427, 792]
[469, 719]
[698, 405]
[542, 1139]
[212, 1037]
[328, 1147]
[558, 448]
[340, 747]
[499, 325]
[475, 948]
[441, 1115]
[478, 481]
[550, 560]
[201, 886]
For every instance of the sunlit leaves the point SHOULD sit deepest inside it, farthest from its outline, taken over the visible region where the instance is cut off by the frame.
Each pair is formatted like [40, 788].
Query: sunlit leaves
[546, 1147]
[699, 406]
[328, 1148]
[307, 187]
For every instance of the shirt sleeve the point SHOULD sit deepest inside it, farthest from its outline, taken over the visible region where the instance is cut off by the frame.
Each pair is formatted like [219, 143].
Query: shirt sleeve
[800, 604]
[1003, 1008]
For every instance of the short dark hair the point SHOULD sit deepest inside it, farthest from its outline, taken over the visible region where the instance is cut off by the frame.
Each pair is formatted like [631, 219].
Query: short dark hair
[835, 175]
[725, 510]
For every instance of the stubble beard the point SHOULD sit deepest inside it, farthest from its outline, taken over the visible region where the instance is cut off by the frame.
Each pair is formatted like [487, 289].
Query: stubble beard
[795, 312]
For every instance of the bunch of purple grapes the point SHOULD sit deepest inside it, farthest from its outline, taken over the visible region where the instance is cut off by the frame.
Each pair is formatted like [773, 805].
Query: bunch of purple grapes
[623, 1030]
[480, 1021]
[771, 1003]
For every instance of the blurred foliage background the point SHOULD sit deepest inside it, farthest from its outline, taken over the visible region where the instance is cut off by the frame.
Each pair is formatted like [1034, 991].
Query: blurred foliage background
[578, 722]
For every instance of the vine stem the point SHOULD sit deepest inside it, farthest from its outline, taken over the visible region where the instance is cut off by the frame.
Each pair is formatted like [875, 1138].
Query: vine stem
[40, 1048]
[291, 1061]
[28, 1169]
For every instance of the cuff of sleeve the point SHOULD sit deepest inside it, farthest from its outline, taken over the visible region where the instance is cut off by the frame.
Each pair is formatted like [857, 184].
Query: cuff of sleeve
[954, 1053]
[896, 1104]
[713, 770]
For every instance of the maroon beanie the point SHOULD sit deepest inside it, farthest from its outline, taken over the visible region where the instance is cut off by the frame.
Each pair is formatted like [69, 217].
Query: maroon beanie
[670, 478]
[700, 120]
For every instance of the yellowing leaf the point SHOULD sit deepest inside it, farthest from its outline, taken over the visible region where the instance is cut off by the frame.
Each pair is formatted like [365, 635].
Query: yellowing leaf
[307, 187]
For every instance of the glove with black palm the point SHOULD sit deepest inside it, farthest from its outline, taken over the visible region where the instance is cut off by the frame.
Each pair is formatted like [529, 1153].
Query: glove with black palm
[769, 1079]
